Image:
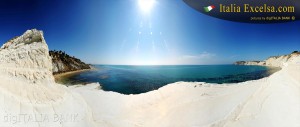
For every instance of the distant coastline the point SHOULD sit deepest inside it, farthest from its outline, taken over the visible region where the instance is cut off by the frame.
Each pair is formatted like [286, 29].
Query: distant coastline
[273, 61]
[64, 66]
[63, 63]
[59, 78]
[62, 77]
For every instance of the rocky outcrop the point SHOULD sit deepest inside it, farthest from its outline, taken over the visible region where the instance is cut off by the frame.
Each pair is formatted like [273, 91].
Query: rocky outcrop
[29, 95]
[274, 61]
[62, 62]
[26, 57]
[250, 63]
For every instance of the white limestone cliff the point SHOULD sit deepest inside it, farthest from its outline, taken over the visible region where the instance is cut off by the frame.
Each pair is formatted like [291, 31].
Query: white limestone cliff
[280, 61]
[29, 95]
[26, 57]
[274, 61]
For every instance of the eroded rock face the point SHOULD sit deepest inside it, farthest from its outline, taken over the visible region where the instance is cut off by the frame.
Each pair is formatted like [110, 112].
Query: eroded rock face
[62, 62]
[27, 87]
[261, 63]
[27, 57]
[274, 61]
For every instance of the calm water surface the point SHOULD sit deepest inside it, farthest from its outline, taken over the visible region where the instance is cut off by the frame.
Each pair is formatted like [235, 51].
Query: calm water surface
[140, 79]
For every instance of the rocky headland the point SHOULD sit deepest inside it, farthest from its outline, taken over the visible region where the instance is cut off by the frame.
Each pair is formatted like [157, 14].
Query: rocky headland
[62, 62]
[274, 61]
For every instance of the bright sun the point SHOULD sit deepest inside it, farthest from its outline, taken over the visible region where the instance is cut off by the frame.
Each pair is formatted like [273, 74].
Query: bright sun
[146, 5]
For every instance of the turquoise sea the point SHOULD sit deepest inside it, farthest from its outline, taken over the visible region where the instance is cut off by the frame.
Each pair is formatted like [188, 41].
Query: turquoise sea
[139, 79]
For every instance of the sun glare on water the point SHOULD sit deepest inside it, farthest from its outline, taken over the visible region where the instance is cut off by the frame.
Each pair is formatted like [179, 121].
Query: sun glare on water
[146, 5]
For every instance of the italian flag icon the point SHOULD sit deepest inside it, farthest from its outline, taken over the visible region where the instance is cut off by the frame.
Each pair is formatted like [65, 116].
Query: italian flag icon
[209, 8]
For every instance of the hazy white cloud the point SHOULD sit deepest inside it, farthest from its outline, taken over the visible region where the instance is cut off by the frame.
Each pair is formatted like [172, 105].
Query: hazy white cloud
[137, 46]
[122, 45]
[166, 45]
[153, 47]
[202, 58]
[234, 56]
[204, 55]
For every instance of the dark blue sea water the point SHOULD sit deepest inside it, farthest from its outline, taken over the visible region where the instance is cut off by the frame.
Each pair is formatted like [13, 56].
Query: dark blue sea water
[140, 79]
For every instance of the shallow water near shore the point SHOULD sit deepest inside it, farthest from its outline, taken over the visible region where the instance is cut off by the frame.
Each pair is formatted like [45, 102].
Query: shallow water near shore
[140, 79]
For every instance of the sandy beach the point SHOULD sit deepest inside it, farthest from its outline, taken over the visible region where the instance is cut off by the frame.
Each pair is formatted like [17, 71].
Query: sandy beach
[59, 78]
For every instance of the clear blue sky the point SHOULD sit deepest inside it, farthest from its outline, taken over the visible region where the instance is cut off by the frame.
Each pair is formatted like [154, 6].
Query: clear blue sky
[119, 32]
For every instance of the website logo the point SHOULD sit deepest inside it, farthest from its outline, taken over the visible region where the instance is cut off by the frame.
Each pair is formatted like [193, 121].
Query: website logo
[249, 11]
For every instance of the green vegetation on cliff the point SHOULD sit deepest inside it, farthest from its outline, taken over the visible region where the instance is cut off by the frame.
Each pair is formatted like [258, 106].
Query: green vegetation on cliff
[63, 62]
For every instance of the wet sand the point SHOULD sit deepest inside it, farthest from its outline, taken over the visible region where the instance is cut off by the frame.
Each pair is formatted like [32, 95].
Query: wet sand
[63, 77]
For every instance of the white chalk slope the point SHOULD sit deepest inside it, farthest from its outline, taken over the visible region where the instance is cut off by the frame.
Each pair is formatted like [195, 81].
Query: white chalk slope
[29, 97]
[27, 89]
[268, 102]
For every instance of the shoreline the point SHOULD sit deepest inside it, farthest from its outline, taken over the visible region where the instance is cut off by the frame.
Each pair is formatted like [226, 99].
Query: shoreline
[73, 72]
[270, 70]
[60, 78]
[68, 80]
[70, 73]
[251, 103]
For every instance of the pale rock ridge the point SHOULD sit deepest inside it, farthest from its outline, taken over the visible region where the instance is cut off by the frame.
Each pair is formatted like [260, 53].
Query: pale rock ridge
[275, 61]
[280, 61]
[29, 95]
[27, 57]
